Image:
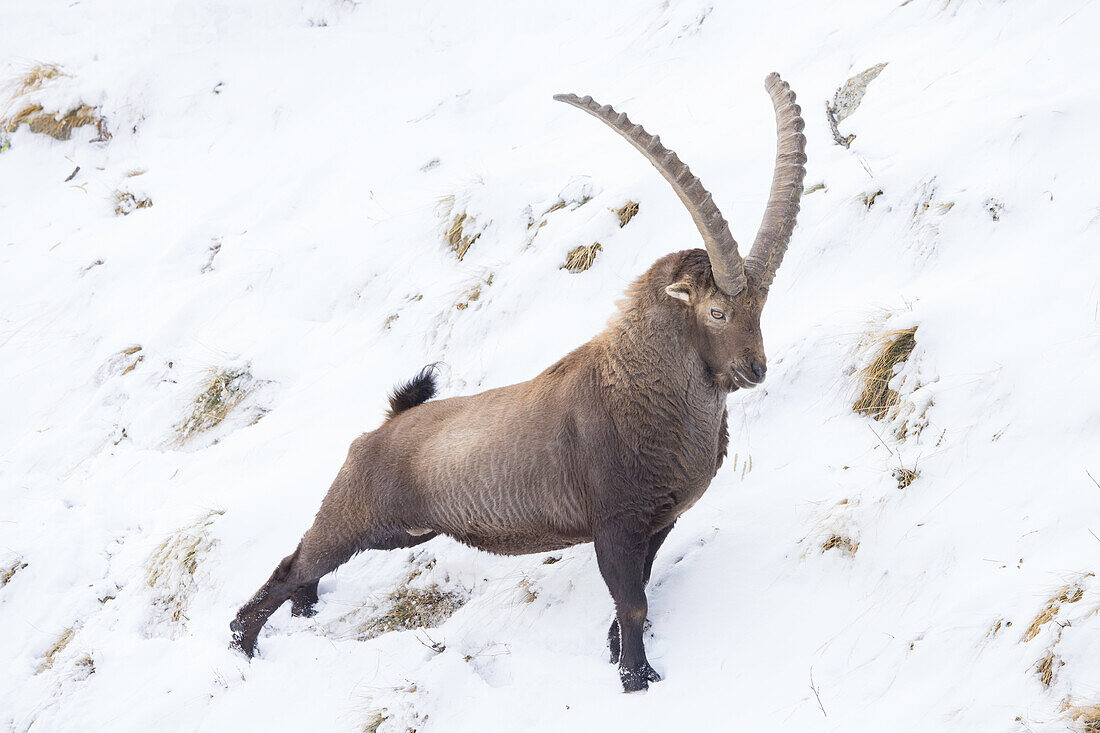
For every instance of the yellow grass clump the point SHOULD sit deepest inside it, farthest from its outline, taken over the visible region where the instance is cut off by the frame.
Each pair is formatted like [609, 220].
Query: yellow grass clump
[55, 649]
[171, 569]
[57, 124]
[473, 295]
[410, 608]
[839, 542]
[457, 236]
[1045, 669]
[1086, 717]
[626, 212]
[7, 573]
[1069, 594]
[877, 399]
[580, 258]
[127, 203]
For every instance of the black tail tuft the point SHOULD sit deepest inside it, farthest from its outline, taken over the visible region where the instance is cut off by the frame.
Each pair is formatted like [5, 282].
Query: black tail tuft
[416, 391]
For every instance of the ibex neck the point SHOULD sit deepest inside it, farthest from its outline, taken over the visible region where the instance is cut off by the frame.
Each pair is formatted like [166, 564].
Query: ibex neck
[646, 350]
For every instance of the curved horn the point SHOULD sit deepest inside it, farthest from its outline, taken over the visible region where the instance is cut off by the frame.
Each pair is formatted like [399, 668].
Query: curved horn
[725, 262]
[790, 158]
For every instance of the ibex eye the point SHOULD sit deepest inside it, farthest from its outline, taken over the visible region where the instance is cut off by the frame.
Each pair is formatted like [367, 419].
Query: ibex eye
[715, 313]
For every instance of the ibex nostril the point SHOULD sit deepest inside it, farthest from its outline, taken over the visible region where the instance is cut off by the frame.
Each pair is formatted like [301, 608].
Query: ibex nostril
[759, 369]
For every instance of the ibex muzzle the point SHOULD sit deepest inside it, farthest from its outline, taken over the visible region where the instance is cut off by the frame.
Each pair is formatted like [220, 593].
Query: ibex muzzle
[609, 445]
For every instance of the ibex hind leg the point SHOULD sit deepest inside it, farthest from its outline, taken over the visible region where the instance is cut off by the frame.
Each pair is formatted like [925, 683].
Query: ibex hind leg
[304, 600]
[296, 579]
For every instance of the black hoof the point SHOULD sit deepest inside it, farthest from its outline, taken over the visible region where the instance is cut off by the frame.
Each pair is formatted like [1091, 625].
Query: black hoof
[613, 644]
[247, 648]
[635, 680]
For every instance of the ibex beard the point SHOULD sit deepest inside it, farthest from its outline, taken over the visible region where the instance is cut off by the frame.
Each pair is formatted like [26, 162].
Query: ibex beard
[610, 445]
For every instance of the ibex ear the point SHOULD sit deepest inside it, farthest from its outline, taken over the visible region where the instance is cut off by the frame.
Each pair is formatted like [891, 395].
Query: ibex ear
[680, 291]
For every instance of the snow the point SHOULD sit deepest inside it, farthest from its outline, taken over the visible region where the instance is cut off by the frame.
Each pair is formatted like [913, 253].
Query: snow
[287, 148]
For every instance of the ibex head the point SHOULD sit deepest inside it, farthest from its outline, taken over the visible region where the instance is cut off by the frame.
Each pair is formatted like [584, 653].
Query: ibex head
[722, 303]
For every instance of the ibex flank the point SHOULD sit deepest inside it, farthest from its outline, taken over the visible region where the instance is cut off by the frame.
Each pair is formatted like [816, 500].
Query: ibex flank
[609, 445]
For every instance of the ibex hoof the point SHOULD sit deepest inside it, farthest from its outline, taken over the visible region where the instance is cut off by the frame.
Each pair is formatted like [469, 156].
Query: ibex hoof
[635, 680]
[238, 643]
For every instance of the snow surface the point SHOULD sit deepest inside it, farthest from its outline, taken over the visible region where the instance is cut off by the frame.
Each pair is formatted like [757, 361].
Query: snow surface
[300, 135]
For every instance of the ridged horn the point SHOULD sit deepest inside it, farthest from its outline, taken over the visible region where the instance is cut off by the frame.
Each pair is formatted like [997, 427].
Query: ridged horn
[725, 262]
[790, 158]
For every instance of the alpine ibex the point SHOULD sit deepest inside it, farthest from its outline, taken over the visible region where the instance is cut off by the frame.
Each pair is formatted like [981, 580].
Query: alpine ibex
[609, 445]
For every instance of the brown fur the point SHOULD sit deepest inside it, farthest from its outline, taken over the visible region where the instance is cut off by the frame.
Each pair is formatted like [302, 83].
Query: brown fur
[608, 445]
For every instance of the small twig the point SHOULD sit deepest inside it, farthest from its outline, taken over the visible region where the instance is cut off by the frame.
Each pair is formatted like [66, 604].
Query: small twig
[884, 443]
[1094, 535]
[813, 686]
[435, 646]
[1093, 478]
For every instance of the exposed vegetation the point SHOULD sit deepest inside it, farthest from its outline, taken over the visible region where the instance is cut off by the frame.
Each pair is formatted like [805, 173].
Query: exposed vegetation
[626, 212]
[55, 649]
[905, 476]
[127, 203]
[1045, 669]
[85, 666]
[528, 591]
[581, 258]
[473, 295]
[411, 608]
[172, 567]
[226, 389]
[7, 573]
[877, 398]
[1086, 717]
[1069, 594]
[55, 123]
[839, 542]
[847, 100]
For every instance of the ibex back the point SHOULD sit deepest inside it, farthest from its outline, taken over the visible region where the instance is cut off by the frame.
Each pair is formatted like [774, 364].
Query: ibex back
[609, 445]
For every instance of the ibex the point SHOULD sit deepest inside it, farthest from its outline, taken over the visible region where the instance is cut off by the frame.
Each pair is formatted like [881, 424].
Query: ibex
[610, 445]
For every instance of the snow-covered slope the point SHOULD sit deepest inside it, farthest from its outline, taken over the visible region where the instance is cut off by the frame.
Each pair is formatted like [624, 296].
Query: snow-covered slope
[306, 161]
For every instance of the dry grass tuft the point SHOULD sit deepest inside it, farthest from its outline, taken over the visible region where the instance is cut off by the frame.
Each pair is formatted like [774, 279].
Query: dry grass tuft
[171, 568]
[839, 542]
[581, 258]
[1087, 717]
[57, 124]
[877, 399]
[457, 237]
[6, 574]
[374, 719]
[55, 649]
[1045, 669]
[473, 294]
[627, 212]
[528, 591]
[127, 203]
[35, 78]
[1069, 594]
[905, 477]
[85, 666]
[226, 390]
[868, 199]
[411, 608]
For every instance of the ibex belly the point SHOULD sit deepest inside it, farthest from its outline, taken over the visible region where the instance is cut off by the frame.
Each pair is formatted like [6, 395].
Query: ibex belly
[501, 484]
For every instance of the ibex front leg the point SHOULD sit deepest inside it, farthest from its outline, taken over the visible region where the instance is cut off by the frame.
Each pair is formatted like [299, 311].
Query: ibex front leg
[621, 556]
[655, 543]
